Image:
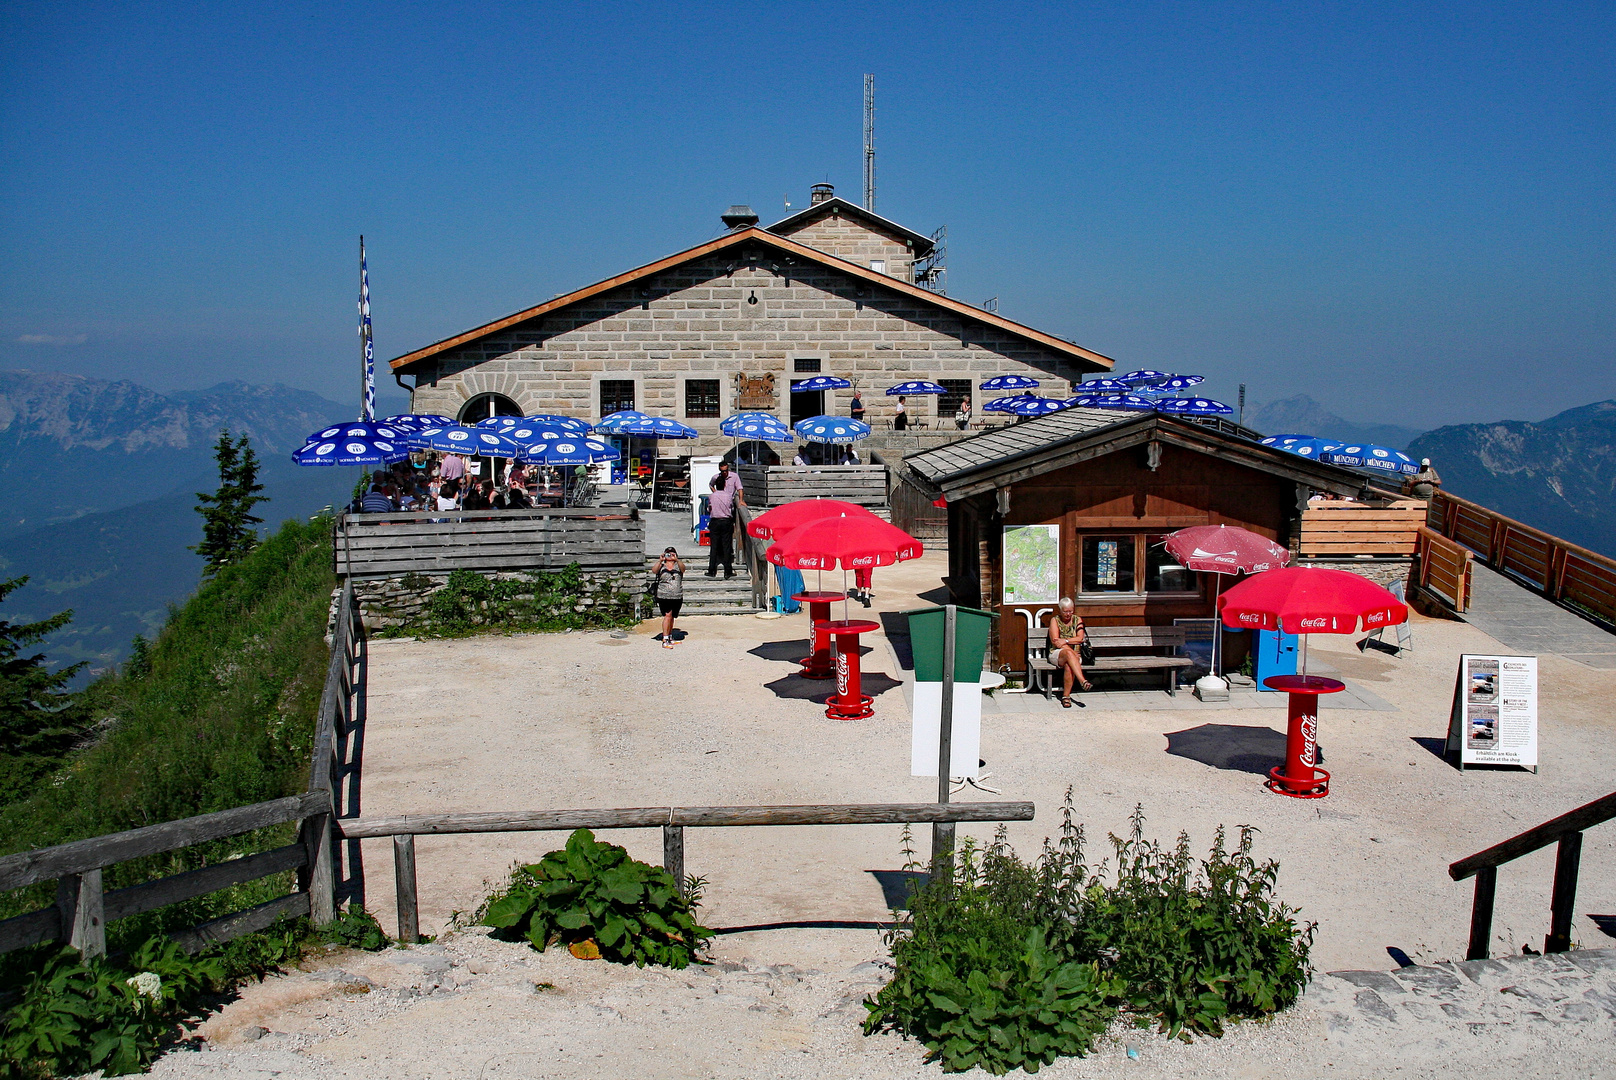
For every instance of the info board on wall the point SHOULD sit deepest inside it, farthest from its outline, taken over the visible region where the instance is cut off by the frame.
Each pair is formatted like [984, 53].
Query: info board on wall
[1031, 564]
[1494, 717]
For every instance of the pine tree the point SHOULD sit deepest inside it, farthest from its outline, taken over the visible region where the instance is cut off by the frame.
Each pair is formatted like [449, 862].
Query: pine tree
[34, 701]
[227, 518]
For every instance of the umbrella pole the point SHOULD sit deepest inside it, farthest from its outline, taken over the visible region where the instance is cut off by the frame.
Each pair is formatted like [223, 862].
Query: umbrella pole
[1217, 625]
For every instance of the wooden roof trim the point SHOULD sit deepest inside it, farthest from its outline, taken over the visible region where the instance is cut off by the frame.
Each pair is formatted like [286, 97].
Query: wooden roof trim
[964, 310]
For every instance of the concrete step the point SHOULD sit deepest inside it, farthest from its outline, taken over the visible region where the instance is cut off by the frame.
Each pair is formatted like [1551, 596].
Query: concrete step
[716, 595]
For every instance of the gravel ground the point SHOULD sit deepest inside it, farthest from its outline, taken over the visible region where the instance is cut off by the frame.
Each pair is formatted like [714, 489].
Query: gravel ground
[586, 720]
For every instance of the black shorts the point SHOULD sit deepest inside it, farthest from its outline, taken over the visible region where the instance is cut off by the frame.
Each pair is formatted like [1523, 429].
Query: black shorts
[669, 607]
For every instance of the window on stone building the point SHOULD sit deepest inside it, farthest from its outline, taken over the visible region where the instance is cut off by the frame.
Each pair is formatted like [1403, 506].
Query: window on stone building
[805, 367]
[958, 390]
[616, 395]
[878, 265]
[701, 399]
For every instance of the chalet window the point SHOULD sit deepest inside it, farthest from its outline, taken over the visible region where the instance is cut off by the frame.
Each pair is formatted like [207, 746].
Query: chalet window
[701, 399]
[1108, 564]
[959, 390]
[805, 367]
[616, 395]
[1163, 572]
[1130, 564]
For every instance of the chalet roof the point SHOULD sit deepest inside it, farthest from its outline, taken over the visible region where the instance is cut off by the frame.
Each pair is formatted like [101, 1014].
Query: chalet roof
[837, 205]
[1087, 359]
[996, 459]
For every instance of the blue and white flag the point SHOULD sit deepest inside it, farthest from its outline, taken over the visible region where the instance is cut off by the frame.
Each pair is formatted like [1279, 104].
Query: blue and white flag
[368, 408]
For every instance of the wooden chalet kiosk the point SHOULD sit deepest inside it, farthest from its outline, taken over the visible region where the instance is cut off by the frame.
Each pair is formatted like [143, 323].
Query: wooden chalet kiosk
[1102, 488]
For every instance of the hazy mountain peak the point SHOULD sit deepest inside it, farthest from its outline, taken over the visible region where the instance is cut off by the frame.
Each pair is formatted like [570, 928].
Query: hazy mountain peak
[1302, 415]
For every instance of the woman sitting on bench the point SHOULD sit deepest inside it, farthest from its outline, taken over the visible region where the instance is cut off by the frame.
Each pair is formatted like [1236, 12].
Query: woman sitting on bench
[1066, 637]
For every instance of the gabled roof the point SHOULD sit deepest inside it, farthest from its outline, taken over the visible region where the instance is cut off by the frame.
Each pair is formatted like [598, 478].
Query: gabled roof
[838, 205]
[995, 459]
[1094, 361]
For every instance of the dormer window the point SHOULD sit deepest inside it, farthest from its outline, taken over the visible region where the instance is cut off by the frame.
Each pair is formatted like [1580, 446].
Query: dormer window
[878, 265]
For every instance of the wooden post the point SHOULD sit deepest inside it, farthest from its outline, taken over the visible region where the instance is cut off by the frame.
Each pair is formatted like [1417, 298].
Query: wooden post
[409, 916]
[78, 896]
[942, 832]
[673, 854]
[1481, 913]
[319, 877]
[1566, 863]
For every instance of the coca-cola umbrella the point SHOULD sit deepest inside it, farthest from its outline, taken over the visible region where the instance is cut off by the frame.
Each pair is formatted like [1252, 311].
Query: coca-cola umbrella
[851, 541]
[1309, 600]
[776, 523]
[1223, 549]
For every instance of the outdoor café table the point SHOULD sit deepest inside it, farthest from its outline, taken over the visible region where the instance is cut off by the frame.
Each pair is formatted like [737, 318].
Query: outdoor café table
[818, 664]
[1299, 777]
[849, 702]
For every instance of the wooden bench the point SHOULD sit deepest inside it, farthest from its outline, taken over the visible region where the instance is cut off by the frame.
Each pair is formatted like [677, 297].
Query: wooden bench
[1107, 642]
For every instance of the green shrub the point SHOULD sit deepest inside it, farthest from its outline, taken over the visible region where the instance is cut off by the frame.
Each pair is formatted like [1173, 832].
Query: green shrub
[592, 890]
[1003, 964]
[545, 601]
[357, 929]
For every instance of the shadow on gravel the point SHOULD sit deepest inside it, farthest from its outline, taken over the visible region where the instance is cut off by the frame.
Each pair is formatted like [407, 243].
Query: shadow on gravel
[818, 691]
[789, 652]
[1235, 747]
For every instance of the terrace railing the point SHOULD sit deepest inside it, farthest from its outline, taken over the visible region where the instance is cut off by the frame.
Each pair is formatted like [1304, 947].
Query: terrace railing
[388, 545]
[1566, 830]
[776, 485]
[1562, 571]
[1443, 568]
[1355, 528]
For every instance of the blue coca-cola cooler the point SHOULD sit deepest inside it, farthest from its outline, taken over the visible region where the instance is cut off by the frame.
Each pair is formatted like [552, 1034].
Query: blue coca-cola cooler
[1275, 654]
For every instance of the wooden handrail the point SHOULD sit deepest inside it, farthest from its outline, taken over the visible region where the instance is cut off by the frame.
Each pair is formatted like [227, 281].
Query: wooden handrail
[1519, 526]
[1541, 836]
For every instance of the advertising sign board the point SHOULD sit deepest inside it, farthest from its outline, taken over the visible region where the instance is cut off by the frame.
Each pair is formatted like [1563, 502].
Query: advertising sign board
[1494, 716]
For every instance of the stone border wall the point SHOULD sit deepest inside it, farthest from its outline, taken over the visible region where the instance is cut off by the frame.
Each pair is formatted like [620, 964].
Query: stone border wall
[1382, 571]
[395, 601]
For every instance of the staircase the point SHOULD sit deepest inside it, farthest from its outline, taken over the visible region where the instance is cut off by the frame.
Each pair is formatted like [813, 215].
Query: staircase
[714, 596]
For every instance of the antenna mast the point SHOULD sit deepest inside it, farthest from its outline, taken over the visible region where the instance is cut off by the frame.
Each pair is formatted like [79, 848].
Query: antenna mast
[869, 143]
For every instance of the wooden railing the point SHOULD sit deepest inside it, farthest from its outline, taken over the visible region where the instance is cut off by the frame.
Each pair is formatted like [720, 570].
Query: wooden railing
[776, 485]
[913, 512]
[751, 552]
[1443, 568]
[672, 820]
[1567, 830]
[83, 908]
[385, 545]
[1561, 570]
[1353, 528]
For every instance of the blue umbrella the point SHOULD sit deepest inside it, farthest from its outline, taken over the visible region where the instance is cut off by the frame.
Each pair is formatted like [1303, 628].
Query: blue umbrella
[351, 450]
[1112, 401]
[569, 452]
[655, 427]
[1194, 407]
[1177, 382]
[1370, 456]
[565, 423]
[916, 386]
[1008, 382]
[1302, 445]
[1037, 406]
[1103, 386]
[820, 382]
[464, 440]
[416, 421]
[527, 434]
[756, 425]
[1137, 378]
[1006, 404]
[360, 429]
[610, 424]
[839, 430]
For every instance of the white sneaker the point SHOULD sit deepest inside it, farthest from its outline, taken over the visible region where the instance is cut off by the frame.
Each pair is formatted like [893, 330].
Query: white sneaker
[667, 643]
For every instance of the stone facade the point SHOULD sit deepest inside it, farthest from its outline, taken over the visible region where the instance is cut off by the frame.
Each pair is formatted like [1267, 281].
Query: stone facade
[1380, 570]
[867, 246]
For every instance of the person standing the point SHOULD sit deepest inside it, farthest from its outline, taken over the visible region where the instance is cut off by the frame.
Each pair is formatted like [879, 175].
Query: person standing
[724, 492]
[855, 408]
[669, 588]
[962, 419]
[900, 421]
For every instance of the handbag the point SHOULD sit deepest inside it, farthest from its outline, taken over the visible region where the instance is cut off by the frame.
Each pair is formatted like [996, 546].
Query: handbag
[1085, 651]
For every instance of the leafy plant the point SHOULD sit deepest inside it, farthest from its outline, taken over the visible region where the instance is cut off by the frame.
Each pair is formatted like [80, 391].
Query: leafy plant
[356, 928]
[592, 890]
[537, 600]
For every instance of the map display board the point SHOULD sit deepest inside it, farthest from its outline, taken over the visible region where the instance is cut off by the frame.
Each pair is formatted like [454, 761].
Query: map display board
[1494, 718]
[1031, 564]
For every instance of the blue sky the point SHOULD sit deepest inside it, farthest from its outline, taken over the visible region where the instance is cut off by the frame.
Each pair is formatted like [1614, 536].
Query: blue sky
[1404, 210]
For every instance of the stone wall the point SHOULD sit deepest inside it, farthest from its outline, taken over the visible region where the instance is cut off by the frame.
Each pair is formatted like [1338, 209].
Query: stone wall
[850, 240]
[395, 601]
[1382, 571]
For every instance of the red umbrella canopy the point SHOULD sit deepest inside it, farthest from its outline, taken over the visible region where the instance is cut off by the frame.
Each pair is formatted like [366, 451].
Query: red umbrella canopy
[855, 541]
[1225, 549]
[773, 524]
[1301, 600]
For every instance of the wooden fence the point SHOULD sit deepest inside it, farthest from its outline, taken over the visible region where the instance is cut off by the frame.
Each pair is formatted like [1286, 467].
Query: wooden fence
[913, 512]
[672, 820]
[751, 550]
[1562, 571]
[1354, 528]
[1443, 568]
[387, 545]
[775, 485]
[83, 908]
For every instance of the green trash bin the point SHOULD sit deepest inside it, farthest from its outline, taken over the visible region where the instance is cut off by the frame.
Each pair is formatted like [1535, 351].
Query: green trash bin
[971, 627]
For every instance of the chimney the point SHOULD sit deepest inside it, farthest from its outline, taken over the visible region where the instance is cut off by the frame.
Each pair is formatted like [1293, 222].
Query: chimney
[821, 193]
[739, 217]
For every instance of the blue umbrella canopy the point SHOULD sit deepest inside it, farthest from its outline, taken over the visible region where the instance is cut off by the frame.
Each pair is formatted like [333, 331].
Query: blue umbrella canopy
[351, 450]
[1006, 404]
[568, 451]
[416, 421]
[1302, 445]
[610, 424]
[464, 440]
[526, 434]
[756, 425]
[916, 386]
[820, 382]
[1112, 401]
[1103, 386]
[360, 429]
[838, 430]
[654, 427]
[1037, 406]
[1008, 382]
[1143, 376]
[1176, 383]
[1194, 407]
[1370, 456]
[565, 423]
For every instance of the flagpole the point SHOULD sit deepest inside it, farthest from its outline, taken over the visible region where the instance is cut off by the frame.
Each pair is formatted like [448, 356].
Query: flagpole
[367, 352]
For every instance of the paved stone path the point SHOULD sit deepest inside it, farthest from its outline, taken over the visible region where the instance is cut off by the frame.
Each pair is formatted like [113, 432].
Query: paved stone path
[1531, 624]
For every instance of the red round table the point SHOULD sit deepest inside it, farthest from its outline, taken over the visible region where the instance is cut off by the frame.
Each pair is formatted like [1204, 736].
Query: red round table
[849, 702]
[818, 664]
[1299, 777]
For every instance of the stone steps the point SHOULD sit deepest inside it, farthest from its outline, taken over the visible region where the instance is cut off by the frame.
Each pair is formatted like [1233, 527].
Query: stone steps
[716, 596]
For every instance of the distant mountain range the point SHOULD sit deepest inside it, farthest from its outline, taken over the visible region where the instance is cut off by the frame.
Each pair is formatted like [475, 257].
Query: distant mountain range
[1301, 415]
[102, 477]
[1558, 475]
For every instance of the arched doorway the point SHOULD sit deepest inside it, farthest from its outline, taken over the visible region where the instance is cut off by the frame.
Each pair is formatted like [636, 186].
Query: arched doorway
[483, 406]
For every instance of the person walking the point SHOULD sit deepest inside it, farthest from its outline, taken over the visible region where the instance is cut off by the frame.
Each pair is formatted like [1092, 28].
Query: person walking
[669, 588]
[723, 495]
[962, 419]
[855, 408]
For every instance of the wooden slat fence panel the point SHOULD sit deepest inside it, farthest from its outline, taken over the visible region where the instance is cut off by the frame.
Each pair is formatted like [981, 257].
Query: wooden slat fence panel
[775, 485]
[374, 545]
[1444, 569]
[1356, 529]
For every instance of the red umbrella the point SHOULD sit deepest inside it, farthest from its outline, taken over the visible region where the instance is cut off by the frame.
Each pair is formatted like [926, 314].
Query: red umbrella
[1224, 549]
[1303, 600]
[858, 541]
[775, 523]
